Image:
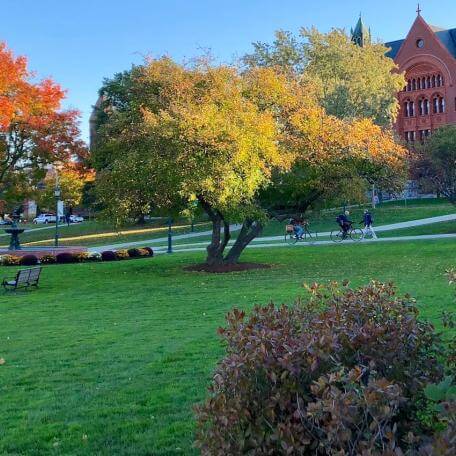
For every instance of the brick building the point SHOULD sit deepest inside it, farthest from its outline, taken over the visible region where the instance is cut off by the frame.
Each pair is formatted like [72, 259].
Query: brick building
[427, 56]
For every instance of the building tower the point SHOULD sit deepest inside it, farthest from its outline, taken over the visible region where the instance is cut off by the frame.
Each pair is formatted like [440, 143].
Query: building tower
[361, 35]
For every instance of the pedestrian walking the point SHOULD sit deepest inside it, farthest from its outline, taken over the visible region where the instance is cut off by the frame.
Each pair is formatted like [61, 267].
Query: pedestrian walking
[368, 222]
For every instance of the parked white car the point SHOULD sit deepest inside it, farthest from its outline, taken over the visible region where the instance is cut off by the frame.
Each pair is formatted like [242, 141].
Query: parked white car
[76, 218]
[44, 218]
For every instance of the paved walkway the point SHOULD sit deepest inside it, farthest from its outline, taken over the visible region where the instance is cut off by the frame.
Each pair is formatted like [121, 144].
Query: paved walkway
[274, 241]
[378, 229]
[32, 230]
[424, 237]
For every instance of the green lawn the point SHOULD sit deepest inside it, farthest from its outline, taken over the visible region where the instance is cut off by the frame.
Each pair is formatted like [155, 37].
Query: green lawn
[109, 358]
[435, 228]
[91, 233]
[95, 233]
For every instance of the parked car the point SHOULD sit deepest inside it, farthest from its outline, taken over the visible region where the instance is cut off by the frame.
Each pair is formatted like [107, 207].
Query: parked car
[76, 218]
[44, 218]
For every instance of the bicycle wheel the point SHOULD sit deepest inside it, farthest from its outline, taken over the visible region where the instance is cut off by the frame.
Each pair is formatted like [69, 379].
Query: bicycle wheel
[310, 237]
[337, 236]
[290, 238]
[356, 234]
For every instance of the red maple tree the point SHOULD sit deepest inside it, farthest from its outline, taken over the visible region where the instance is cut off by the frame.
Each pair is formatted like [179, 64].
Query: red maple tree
[34, 130]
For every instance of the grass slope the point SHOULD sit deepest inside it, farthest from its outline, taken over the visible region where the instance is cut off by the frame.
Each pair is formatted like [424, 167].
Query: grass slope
[91, 233]
[96, 233]
[110, 358]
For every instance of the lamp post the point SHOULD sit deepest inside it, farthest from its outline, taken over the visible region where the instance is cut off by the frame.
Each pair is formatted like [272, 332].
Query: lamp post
[57, 192]
[170, 236]
[194, 205]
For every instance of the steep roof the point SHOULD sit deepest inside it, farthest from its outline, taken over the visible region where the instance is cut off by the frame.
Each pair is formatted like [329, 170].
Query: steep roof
[446, 37]
[361, 34]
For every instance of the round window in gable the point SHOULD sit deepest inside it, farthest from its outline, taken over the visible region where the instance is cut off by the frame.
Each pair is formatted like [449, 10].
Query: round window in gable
[420, 43]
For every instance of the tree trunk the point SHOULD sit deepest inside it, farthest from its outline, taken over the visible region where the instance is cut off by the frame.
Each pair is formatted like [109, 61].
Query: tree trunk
[217, 246]
[215, 250]
[250, 230]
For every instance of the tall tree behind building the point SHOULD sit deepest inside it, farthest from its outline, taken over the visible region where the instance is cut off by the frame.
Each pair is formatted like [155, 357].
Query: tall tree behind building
[354, 81]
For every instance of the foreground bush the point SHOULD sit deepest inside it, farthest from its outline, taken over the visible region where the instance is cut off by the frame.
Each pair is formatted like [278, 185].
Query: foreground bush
[343, 373]
[29, 260]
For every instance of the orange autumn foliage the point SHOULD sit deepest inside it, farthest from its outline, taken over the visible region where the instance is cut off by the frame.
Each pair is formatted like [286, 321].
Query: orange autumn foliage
[34, 131]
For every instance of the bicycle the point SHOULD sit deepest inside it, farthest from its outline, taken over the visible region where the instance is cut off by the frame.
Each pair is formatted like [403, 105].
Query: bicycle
[355, 234]
[306, 236]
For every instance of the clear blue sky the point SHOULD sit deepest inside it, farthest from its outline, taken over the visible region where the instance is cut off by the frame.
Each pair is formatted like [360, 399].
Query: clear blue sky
[79, 42]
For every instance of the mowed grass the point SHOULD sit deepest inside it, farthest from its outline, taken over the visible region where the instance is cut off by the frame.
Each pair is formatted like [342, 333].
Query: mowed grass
[434, 228]
[110, 358]
[97, 233]
[89, 233]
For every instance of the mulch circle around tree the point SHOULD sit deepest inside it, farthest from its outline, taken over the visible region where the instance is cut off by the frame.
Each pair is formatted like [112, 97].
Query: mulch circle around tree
[224, 268]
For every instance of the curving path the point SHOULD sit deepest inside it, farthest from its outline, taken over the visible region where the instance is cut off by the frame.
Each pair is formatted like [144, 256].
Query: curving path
[277, 241]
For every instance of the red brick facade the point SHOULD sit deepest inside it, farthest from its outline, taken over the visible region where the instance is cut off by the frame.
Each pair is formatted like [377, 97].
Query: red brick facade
[427, 56]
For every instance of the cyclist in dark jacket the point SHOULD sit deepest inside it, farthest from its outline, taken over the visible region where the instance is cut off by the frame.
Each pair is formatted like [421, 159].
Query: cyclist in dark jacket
[344, 222]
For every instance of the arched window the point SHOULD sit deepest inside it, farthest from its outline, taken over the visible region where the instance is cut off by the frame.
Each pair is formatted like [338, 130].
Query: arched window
[435, 105]
[423, 83]
[433, 80]
[411, 108]
[439, 81]
[428, 82]
[413, 84]
[409, 85]
[426, 107]
[406, 109]
[421, 107]
[442, 104]
[438, 104]
[418, 83]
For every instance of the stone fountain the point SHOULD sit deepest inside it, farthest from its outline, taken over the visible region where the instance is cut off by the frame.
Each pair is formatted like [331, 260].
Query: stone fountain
[15, 231]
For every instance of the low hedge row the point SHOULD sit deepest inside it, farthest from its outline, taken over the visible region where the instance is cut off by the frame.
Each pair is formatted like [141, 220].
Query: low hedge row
[81, 257]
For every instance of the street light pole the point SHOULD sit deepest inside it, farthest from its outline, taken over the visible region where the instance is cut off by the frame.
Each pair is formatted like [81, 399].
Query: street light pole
[170, 236]
[57, 193]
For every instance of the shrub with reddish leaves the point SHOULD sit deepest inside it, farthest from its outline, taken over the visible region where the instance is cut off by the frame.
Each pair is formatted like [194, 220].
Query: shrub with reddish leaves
[149, 250]
[339, 374]
[29, 260]
[134, 253]
[66, 257]
[108, 255]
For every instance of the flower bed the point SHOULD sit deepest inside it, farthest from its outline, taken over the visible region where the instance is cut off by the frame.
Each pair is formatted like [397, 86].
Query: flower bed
[75, 257]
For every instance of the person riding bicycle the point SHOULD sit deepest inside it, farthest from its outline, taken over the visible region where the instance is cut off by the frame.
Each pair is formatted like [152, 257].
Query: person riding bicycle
[344, 222]
[297, 227]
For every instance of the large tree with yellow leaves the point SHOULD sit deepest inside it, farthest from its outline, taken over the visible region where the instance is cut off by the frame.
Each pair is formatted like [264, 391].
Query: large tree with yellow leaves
[170, 134]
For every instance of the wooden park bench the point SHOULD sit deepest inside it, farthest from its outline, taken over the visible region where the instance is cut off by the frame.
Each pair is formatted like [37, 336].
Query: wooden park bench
[25, 278]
